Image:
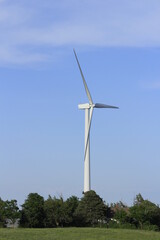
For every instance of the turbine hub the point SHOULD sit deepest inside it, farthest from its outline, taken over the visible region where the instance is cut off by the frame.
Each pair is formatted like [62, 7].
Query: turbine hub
[85, 106]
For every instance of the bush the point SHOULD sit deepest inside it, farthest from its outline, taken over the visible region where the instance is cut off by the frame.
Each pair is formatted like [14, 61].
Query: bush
[1, 224]
[150, 227]
[114, 224]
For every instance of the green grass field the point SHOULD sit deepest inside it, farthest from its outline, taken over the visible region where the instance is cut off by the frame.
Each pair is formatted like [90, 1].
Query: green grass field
[77, 234]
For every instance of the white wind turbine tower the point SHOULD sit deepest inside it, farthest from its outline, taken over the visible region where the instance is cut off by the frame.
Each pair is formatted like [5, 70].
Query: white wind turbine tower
[88, 107]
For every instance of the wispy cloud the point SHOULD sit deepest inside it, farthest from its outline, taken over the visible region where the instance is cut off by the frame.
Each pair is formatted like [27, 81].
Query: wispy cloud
[155, 85]
[27, 28]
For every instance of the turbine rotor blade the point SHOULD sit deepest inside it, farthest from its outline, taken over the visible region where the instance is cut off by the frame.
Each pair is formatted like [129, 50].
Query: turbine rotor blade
[100, 105]
[84, 82]
[89, 127]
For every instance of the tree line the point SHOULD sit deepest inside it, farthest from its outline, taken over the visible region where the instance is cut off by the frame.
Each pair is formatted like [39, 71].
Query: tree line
[90, 210]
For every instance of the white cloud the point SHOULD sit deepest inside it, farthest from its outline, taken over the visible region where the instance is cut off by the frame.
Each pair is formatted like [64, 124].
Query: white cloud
[37, 25]
[10, 55]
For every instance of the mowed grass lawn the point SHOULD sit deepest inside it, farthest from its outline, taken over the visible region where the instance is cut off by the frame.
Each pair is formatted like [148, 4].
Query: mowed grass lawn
[77, 234]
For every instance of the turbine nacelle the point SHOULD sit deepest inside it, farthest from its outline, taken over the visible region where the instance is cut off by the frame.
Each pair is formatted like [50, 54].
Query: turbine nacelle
[85, 106]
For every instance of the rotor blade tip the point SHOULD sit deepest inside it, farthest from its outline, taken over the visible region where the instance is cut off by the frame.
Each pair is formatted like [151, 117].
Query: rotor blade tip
[74, 51]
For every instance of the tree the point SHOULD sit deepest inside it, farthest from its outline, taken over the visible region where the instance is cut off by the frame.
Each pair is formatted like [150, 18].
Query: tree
[71, 205]
[2, 212]
[138, 200]
[55, 212]
[60, 215]
[32, 214]
[145, 212]
[12, 211]
[59, 212]
[91, 210]
[121, 212]
[49, 212]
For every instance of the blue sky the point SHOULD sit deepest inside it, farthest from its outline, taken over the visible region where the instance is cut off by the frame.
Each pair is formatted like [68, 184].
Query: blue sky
[41, 128]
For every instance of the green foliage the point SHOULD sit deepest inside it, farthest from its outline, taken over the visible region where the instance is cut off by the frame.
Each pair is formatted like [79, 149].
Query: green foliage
[149, 227]
[114, 224]
[138, 199]
[121, 213]
[2, 212]
[32, 214]
[12, 210]
[59, 212]
[145, 212]
[122, 216]
[8, 210]
[91, 210]
[49, 212]
[71, 207]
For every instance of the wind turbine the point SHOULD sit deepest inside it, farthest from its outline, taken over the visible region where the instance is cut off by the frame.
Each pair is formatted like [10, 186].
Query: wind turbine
[88, 107]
